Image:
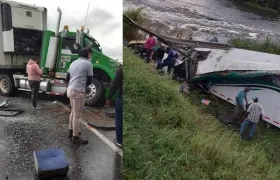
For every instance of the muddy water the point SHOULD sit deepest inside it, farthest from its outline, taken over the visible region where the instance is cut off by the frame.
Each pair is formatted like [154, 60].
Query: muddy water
[207, 18]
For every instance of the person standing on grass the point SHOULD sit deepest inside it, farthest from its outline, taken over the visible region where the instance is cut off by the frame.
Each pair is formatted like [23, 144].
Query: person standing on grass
[254, 113]
[158, 54]
[79, 77]
[117, 85]
[34, 78]
[170, 60]
[148, 46]
[239, 106]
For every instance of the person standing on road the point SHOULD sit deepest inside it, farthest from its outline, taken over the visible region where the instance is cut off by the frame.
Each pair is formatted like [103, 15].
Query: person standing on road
[254, 113]
[79, 77]
[239, 106]
[34, 77]
[117, 85]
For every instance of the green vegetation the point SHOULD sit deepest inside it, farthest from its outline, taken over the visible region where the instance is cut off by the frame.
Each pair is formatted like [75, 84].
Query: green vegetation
[169, 137]
[267, 46]
[263, 4]
[137, 15]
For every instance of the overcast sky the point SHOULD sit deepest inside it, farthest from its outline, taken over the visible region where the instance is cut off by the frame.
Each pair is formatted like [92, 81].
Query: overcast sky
[104, 20]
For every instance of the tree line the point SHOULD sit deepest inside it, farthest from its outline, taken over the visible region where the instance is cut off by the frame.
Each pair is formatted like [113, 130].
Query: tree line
[271, 4]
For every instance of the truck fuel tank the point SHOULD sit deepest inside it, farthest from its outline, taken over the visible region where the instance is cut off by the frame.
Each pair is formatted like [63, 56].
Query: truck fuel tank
[44, 85]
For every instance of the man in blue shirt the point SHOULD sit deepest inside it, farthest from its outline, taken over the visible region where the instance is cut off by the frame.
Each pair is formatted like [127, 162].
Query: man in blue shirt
[239, 106]
[170, 60]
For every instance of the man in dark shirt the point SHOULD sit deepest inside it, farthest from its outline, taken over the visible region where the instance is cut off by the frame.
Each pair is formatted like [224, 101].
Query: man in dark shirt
[117, 85]
[158, 54]
[170, 60]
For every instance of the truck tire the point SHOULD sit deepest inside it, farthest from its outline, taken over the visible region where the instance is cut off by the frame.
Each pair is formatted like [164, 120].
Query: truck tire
[96, 93]
[6, 85]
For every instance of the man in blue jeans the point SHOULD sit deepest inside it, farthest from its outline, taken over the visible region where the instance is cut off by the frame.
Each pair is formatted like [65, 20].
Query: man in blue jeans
[255, 112]
[239, 106]
[158, 54]
[117, 85]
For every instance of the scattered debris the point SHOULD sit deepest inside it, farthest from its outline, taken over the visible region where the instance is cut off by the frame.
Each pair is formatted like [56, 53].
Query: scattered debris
[103, 128]
[5, 112]
[10, 112]
[60, 104]
[205, 102]
[5, 103]
[110, 112]
[184, 88]
[91, 113]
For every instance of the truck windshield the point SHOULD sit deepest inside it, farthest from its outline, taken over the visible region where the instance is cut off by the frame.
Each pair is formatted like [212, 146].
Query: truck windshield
[89, 42]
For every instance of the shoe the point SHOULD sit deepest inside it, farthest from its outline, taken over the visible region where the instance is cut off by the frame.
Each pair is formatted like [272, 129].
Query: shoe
[247, 138]
[71, 133]
[118, 144]
[78, 140]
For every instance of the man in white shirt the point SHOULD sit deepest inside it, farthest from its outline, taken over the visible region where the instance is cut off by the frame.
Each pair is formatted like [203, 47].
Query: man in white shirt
[254, 113]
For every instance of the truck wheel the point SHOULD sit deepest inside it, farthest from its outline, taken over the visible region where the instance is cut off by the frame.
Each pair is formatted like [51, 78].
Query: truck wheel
[6, 85]
[96, 93]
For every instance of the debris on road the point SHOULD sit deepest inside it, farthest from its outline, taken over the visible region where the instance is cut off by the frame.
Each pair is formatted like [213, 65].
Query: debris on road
[51, 162]
[103, 128]
[8, 112]
[110, 112]
[5, 103]
[91, 113]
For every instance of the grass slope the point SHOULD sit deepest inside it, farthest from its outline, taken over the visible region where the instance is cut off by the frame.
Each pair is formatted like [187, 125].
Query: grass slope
[169, 137]
[268, 46]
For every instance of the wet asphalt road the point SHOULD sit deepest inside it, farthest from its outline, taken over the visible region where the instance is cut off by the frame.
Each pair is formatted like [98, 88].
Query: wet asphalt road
[47, 128]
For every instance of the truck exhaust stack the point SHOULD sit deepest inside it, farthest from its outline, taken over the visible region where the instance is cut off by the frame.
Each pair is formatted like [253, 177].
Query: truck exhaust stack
[58, 22]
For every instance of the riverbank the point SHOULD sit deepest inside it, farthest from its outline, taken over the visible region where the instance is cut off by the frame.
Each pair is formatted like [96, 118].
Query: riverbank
[269, 6]
[267, 46]
[169, 137]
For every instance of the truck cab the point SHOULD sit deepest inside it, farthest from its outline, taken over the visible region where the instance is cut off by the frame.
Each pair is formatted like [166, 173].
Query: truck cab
[68, 48]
